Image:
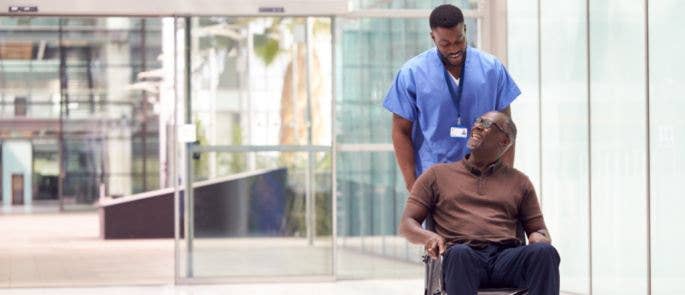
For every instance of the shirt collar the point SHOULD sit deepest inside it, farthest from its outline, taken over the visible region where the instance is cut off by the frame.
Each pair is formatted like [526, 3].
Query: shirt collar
[494, 166]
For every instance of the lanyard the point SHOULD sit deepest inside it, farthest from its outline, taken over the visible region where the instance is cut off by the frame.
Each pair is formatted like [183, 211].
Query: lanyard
[456, 95]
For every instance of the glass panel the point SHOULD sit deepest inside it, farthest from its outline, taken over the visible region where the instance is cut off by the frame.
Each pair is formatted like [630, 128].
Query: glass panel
[94, 73]
[110, 82]
[250, 82]
[261, 82]
[619, 221]
[45, 170]
[29, 61]
[667, 84]
[410, 4]
[370, 52]
[564, 136]
[371, 199]
[523, 61]
[253, 223]
[72, 104]
[29, 90]
[370, 189]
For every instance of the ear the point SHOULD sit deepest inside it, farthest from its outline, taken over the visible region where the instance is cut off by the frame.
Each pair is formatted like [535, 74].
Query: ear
[432, 37]
[505, 140]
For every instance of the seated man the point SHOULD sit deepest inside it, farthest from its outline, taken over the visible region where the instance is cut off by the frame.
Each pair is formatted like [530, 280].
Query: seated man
[476, 204]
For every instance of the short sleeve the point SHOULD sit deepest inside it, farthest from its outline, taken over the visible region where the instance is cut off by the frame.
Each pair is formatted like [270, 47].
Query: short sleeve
[401, 97]
[423, 191]
[530, 213]
[507, 90]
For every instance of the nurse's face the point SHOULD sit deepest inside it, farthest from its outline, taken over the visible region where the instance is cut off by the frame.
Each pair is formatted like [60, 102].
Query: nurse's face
[451, 42]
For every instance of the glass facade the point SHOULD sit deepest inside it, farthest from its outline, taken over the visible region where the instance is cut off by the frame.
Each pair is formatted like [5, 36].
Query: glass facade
[370, 189]
[667, 141]
[564, 140]
[619, 147]
[261, 165]
[603, 80]
[409, 4]
[72, 89]
[293, 174]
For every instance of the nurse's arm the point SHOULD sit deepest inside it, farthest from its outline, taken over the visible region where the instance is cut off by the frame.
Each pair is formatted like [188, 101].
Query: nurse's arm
[508, 157]
[404, 150]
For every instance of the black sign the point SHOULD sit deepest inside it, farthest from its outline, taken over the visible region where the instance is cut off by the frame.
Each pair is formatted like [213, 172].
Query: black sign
[280, 9]
[22, 9]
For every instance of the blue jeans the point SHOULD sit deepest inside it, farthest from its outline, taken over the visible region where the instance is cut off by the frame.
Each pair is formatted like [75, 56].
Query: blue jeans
[535, 267]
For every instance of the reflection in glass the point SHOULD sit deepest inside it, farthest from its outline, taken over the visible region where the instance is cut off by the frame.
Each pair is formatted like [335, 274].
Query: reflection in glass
[83, 84]
[250, 81]
[371, 198]
[260, 83]
[254, 222]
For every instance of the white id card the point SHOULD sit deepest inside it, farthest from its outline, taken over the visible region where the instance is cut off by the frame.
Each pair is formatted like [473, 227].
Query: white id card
[458, 132]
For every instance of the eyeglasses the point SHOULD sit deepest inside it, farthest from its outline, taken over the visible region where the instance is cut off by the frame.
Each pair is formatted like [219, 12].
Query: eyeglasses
[487, 123]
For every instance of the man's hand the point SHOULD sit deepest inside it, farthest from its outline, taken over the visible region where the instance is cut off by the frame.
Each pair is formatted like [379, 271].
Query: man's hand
[435, 246]
[537, 237]
[410, 184]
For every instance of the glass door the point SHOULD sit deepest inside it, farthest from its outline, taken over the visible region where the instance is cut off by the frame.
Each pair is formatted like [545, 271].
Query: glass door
[258, 170]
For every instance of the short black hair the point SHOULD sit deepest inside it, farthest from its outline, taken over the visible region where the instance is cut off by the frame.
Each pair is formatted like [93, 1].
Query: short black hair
[510, 127]
[446, 16]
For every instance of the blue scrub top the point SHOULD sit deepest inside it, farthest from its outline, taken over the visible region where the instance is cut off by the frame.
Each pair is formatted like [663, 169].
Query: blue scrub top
[421, 94]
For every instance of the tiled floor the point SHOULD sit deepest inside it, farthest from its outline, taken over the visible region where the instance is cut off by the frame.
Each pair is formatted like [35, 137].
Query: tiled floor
[61, 253]
[50, 249]
[395, 287]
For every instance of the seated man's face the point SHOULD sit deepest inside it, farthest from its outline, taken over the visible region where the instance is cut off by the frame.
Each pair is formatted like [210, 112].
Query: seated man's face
[486, 133]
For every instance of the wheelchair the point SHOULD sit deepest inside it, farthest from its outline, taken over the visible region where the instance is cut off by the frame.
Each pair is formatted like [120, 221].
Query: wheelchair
[433, 280]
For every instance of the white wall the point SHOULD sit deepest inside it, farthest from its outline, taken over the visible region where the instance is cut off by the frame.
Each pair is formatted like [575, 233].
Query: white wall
[17, 157]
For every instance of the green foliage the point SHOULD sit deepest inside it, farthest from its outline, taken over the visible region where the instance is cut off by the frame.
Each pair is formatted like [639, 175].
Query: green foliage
[201, 165]
[324, 164]
[294, 223]
[321, 26]
[324, 213]
[266, 48]
[237, 163]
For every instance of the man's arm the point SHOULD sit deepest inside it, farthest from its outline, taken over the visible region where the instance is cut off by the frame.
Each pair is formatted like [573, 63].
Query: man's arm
[410, 228]
[508, 157]
[540, 236]
[532, 218]
[404, 151]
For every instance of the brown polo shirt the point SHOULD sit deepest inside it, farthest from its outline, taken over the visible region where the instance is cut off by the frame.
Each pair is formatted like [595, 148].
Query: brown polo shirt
[474, 207]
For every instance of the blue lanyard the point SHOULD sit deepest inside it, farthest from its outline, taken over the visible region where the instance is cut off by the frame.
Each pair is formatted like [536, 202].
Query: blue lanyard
[456, 95]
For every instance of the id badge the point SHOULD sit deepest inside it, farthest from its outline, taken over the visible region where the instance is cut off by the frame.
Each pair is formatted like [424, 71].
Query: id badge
[458, 132]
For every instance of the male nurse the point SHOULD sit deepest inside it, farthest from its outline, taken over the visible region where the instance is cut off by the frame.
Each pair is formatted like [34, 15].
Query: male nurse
[439, 93]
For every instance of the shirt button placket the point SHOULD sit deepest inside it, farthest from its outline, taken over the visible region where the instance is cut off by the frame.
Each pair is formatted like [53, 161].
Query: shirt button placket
[481, 184]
